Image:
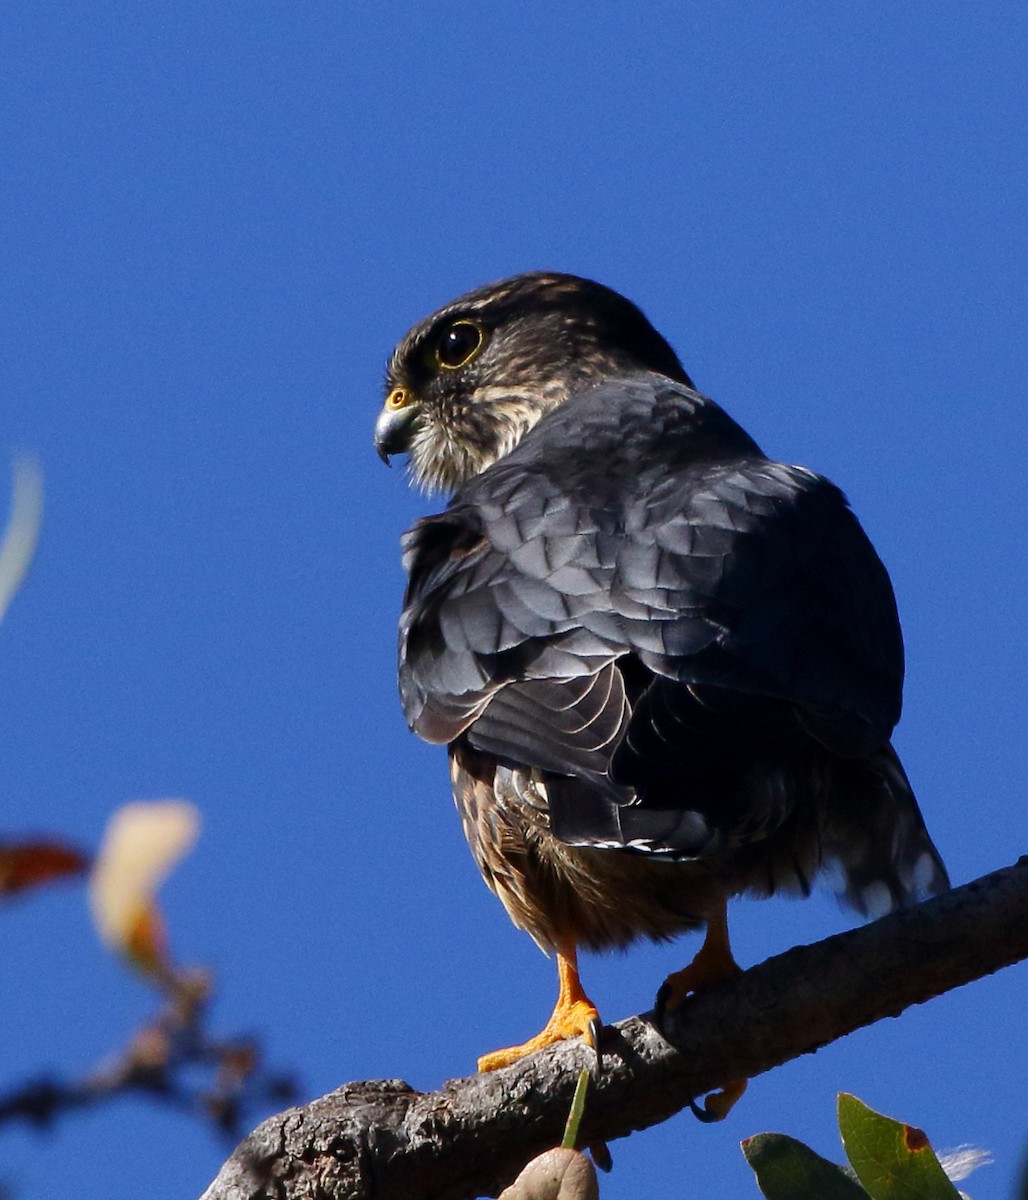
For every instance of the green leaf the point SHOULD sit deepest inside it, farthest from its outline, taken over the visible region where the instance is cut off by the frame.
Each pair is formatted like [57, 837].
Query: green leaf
[788, 1170]
[575, 1115]
[892, 1160]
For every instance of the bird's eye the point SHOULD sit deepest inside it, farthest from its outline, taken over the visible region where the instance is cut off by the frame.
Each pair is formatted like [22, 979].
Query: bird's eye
[397, 399]
[459, 344]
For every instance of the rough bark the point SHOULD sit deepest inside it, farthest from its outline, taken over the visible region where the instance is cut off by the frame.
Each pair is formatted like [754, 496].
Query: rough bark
[380, 1138]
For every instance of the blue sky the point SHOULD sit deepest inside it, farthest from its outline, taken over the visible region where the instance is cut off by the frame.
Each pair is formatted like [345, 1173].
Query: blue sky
[216, 221]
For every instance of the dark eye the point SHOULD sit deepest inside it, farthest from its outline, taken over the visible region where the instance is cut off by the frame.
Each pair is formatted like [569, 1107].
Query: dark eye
[459, 344]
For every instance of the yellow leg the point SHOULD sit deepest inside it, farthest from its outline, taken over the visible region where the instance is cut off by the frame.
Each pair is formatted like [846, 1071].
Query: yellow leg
[713, 964]
[574, 1014]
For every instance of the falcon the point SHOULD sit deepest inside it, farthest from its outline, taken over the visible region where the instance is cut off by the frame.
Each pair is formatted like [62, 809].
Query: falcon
[666, 667]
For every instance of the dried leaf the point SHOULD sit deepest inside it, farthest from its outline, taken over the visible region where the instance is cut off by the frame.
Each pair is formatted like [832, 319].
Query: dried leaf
[558, 1174]
[29, 864]
[142, 843]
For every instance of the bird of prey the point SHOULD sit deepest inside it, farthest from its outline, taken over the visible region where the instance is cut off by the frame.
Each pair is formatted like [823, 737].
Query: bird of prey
[667, 667]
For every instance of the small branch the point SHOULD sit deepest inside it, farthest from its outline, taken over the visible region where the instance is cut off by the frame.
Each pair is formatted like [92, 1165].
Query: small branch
[173, 1059]
[381, 1139]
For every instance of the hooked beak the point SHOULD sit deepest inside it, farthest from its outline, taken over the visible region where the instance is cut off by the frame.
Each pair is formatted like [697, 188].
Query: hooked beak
[394, 430]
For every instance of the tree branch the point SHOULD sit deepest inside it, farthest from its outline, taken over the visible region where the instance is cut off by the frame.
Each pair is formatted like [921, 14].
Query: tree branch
[381, 1138]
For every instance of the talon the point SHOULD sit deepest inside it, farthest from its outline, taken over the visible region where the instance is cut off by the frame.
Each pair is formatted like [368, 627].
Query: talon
[718, 1105]
[574, 1015]
[601, 1156]
[595, 1037]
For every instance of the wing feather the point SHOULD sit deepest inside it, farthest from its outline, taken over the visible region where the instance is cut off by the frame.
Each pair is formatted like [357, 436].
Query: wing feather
[638, 522]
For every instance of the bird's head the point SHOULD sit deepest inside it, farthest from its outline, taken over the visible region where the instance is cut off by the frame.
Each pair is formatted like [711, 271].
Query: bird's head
[467, 383]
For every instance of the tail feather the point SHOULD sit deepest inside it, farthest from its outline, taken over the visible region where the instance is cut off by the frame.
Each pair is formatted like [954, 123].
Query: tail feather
[878, 842]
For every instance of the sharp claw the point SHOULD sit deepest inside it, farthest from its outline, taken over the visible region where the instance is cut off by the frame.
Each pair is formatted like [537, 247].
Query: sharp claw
[596, 1037]
[703, 1114]
[719, 1104]
[601, 1156]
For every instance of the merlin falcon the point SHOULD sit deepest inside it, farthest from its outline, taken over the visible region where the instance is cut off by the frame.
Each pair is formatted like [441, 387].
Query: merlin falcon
[666, 667]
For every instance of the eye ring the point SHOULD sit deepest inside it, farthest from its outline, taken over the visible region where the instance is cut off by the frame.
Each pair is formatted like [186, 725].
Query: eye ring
[397, 399]
[460, 342]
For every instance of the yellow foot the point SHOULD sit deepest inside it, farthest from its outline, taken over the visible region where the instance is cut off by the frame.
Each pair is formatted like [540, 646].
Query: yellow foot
[574, 1015]
[700, 973]
[713, 964]
[573, 1020]
[718, 1105]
